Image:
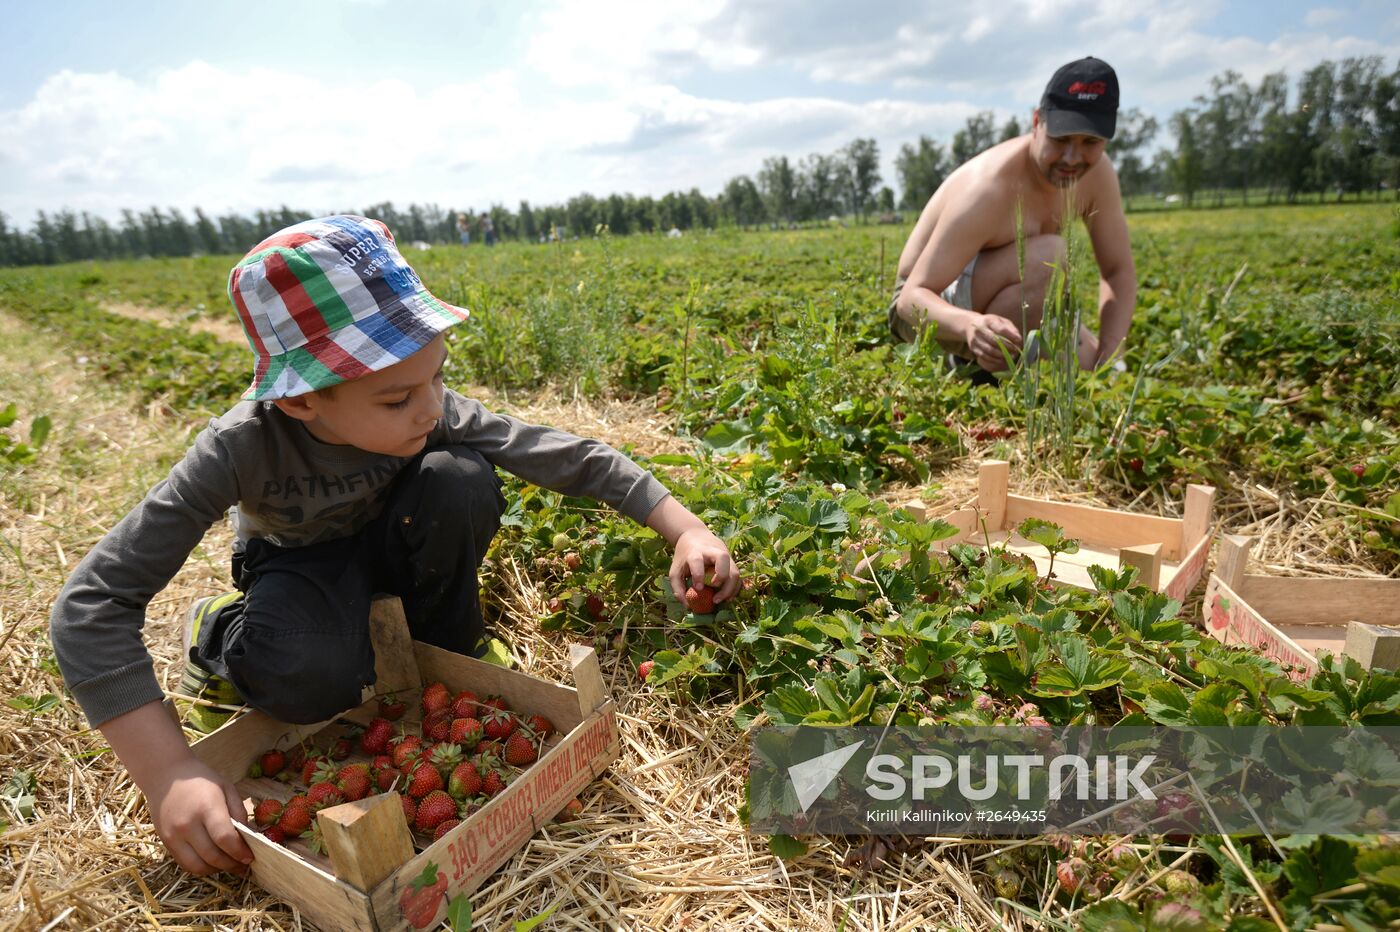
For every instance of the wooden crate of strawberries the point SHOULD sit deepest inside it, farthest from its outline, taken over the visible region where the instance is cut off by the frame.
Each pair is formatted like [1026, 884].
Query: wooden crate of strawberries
[380, 818]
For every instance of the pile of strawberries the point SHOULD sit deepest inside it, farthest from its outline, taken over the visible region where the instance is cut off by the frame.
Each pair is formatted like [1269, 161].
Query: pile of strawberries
[465, 752]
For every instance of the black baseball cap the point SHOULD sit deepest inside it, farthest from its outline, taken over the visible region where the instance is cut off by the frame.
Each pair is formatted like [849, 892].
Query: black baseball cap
[1082, 97]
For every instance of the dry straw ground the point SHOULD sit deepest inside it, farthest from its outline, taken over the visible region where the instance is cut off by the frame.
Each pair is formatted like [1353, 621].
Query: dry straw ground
[659, 845]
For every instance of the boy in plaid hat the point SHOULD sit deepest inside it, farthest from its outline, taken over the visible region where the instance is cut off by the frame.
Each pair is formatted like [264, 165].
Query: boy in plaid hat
[348, 469]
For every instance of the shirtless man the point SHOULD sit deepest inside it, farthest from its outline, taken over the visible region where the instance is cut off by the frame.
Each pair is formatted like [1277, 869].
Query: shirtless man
[958, 271]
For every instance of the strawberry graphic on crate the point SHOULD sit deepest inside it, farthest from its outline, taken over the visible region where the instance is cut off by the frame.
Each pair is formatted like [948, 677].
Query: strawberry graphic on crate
[423, 898]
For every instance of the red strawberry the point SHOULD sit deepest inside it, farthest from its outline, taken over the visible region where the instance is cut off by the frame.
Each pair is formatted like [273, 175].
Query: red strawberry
[271, 762]
[392, 707]
[572, 809]
[296, 758]
[355, 781]
[644, 668]
[376, 737]
[445, 827]
[572, 560]
[340, 749]
[495, 702]
[1358, 470]
[1071, 873]
[406, 750]
[437, 725]
[498, 725]
[386, 777]
[465, 781]
[267, 811]
[540, 725]
[410, 809]
[274, 833]
[1135, 464]
[294, 820]
[324, 794]
[492, 783]
[520, 751]
[423, 780]
[554, 606]
[489, 751]
[465, 704]
[435, 696]
[434, 809]
[595, 606]
[700, 599]
[308, 768]
[465, 731]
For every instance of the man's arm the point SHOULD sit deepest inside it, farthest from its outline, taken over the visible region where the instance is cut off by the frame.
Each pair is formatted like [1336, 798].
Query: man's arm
[1108, 232]
[960, 234]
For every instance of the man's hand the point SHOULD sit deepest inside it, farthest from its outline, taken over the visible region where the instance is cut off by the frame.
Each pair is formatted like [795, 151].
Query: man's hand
[193, 810]
[703, 558]
[986, 335]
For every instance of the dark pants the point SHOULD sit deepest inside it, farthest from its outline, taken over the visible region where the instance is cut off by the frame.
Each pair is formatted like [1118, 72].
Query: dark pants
[297, 645]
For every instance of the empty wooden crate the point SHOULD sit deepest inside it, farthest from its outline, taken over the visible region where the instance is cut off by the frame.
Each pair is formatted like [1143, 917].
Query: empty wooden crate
[1170, 552]
[371, 876]
[1290, 619]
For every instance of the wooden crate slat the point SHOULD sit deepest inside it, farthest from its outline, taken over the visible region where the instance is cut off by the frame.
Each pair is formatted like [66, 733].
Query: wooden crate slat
[322, 898]
[1286, 600]
[1231, 620]
[230, 749]
[1099, 526]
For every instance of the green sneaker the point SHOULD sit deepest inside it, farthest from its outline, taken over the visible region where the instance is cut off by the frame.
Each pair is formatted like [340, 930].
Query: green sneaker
[495, 652]
[198, 682]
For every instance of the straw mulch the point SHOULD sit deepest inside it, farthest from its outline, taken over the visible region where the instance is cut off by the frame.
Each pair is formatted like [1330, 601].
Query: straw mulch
[659, 844]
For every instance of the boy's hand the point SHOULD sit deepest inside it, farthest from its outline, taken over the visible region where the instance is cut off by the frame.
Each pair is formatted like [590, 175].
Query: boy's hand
[192, 813]
[702, 557]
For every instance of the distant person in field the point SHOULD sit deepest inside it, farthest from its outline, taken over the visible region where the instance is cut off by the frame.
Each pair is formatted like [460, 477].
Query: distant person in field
[464, 229]
[347, 469]
[488, 230]
[958, 272]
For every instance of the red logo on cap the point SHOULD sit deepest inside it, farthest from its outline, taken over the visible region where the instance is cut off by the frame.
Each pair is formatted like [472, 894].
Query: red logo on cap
[1094, 88]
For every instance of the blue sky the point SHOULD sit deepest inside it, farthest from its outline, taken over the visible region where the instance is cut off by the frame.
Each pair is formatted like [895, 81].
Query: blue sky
[329, 105]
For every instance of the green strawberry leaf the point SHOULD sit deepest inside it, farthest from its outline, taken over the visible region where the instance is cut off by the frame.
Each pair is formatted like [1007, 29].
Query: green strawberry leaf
[786, 847]
[459, 913]
[528, 924]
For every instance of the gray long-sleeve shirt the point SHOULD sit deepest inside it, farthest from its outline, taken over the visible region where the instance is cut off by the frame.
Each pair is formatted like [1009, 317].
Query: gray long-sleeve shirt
[281, 484]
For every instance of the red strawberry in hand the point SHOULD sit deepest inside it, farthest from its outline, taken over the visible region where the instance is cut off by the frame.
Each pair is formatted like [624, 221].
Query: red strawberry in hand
[700, 599]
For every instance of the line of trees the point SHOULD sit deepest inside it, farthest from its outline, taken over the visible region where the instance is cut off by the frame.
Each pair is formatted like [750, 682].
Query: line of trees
[1337, 133]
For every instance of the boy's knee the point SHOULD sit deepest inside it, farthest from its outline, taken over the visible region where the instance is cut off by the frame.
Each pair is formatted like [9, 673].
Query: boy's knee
[300, 679]
[458, 480]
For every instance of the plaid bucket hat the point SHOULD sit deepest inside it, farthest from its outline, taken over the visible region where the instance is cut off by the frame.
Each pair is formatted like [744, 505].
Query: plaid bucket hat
[330, 300]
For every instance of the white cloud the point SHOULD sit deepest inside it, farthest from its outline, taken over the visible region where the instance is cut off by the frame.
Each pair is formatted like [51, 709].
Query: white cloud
[1321, 16]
